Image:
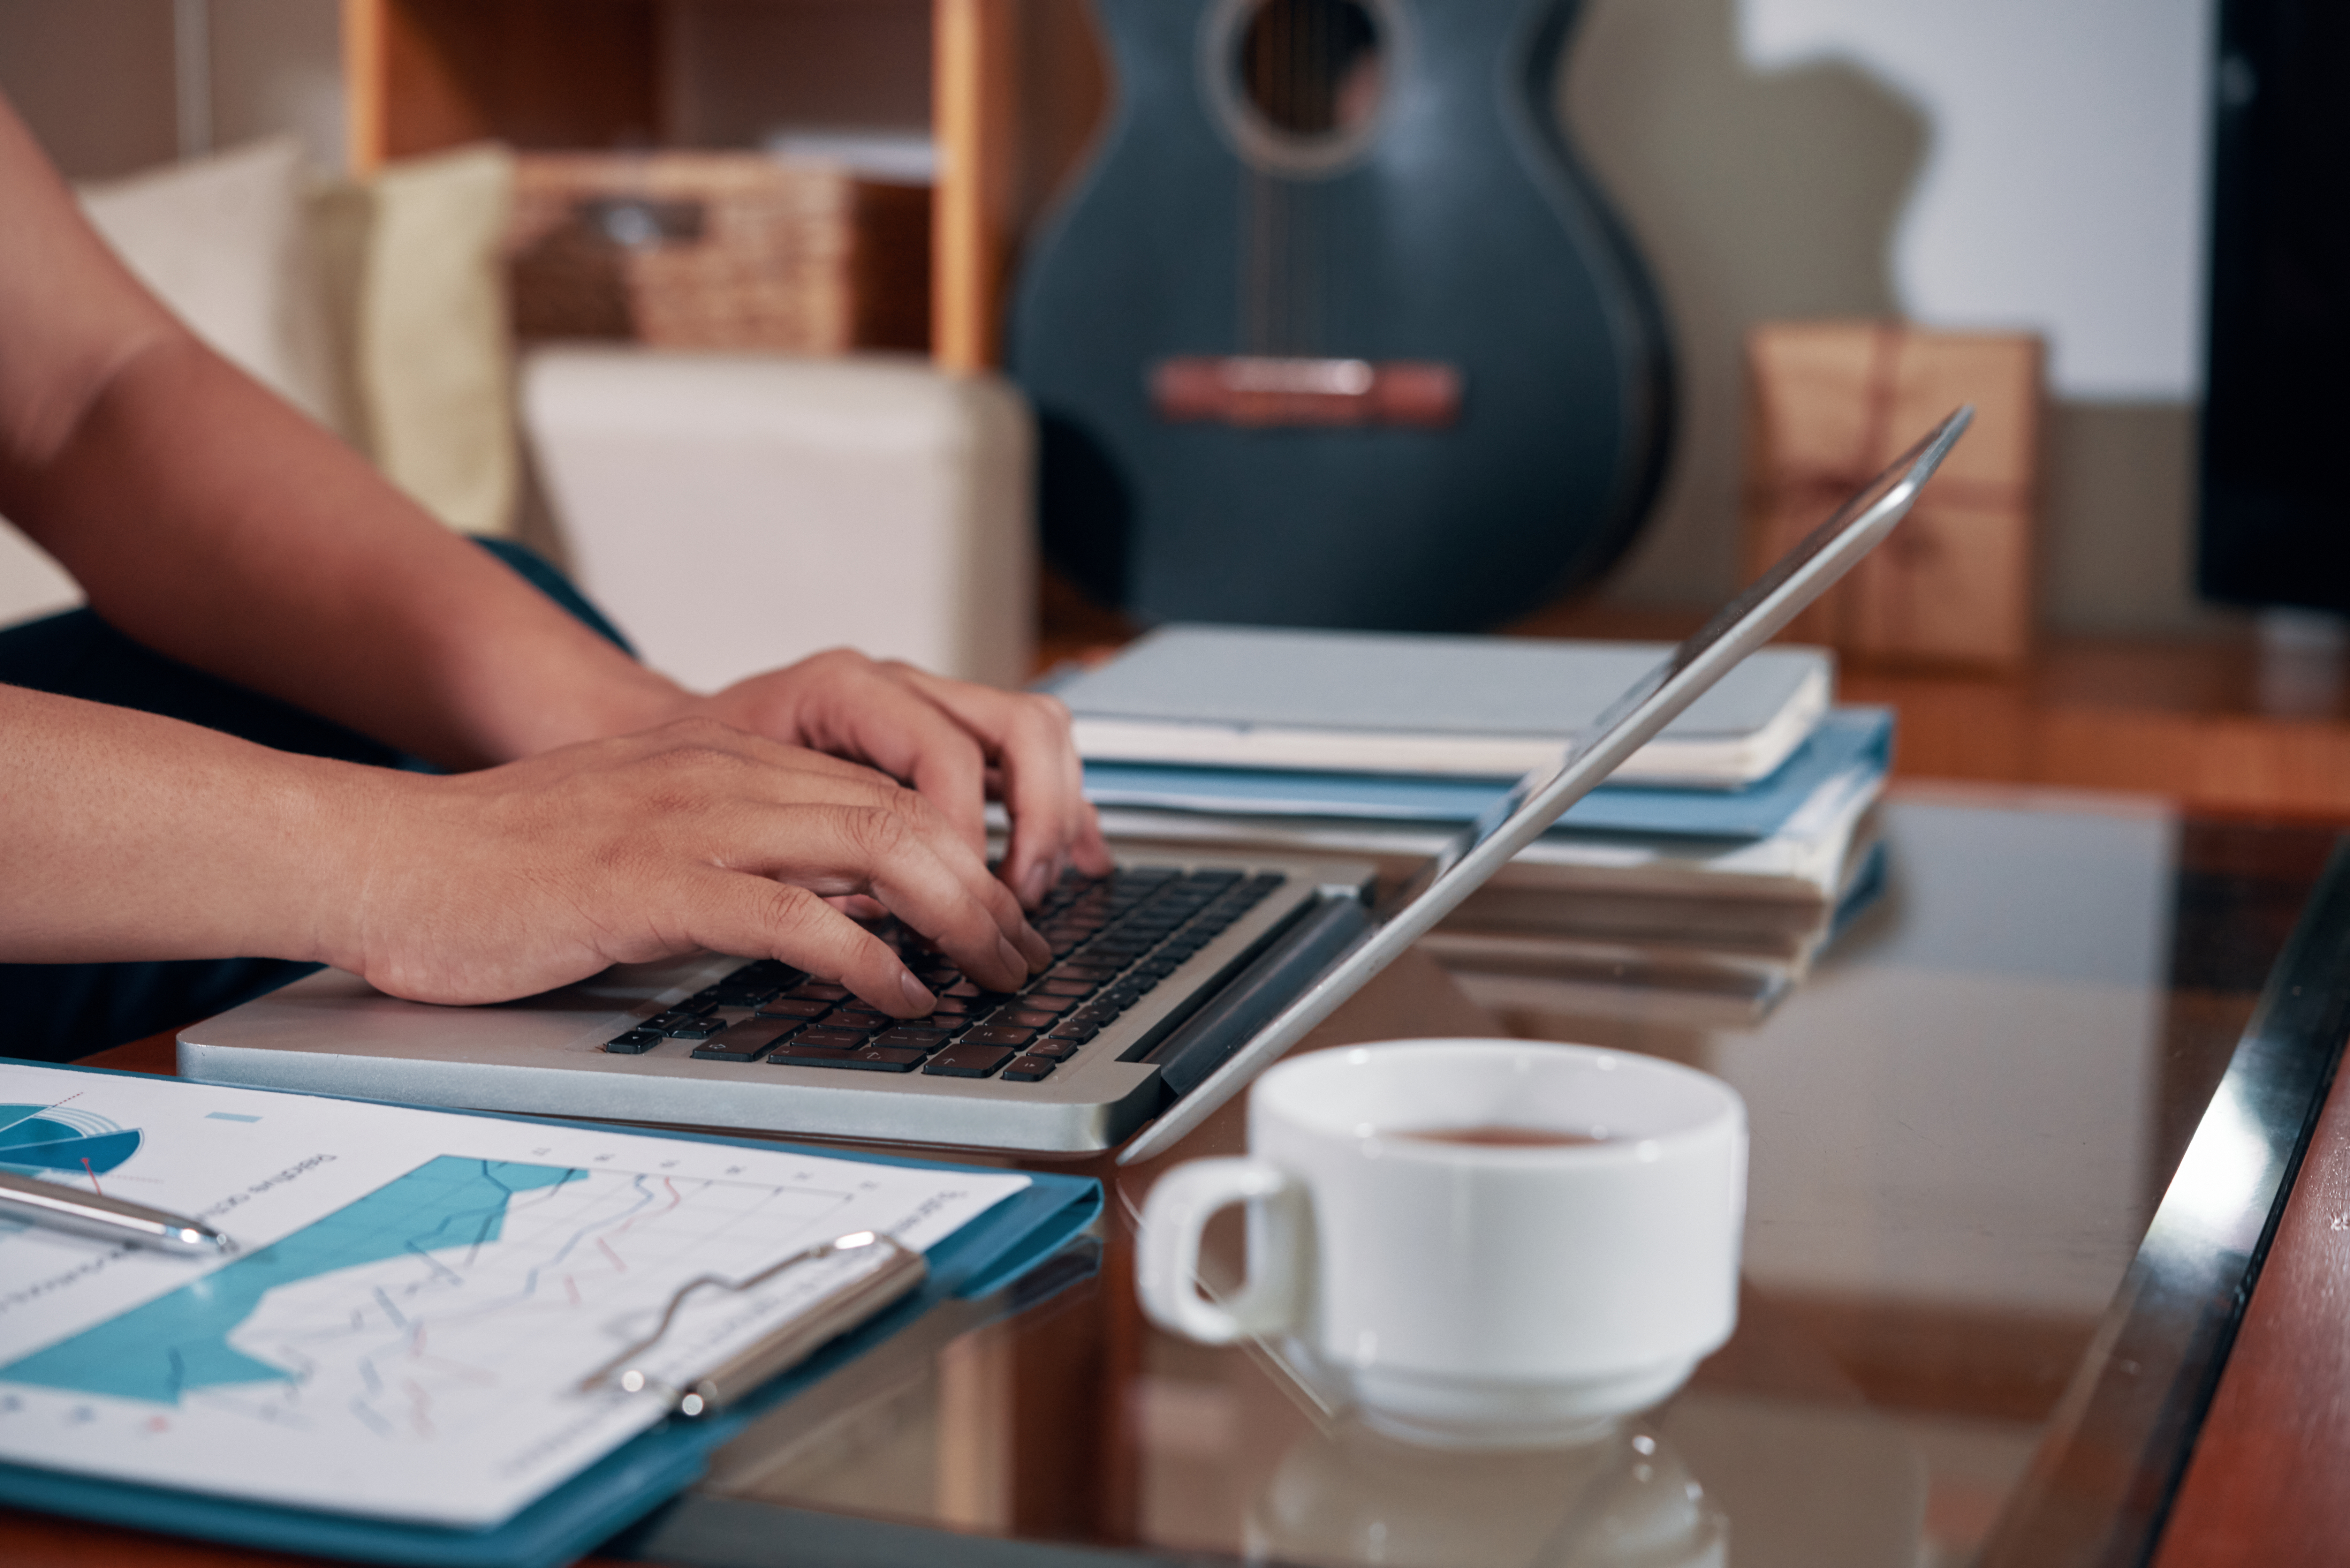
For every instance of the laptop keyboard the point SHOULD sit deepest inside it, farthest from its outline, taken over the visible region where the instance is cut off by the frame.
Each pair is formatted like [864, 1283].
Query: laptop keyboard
[1114, 939]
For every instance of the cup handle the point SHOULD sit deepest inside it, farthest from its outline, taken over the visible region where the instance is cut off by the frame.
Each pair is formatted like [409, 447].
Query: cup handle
[1168, 1255]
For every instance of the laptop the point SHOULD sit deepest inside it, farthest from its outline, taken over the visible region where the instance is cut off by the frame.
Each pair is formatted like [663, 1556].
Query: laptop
[1174, 983]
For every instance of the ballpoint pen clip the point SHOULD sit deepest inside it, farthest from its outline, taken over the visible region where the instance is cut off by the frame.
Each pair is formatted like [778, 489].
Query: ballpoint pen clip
[903, 1270]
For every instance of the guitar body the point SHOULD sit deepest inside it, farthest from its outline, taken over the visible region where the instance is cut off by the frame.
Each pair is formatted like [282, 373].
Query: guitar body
[1405, 373]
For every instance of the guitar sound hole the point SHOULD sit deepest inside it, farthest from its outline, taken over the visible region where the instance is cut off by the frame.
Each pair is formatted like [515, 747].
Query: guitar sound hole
[1312, 69]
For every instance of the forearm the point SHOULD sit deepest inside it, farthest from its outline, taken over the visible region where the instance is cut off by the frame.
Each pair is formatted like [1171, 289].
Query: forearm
[209, 520]
[128, 836]
[125, 835]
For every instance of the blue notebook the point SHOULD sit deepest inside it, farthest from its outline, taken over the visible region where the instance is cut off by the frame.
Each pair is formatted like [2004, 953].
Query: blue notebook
[1845, 740]
[982, 1256]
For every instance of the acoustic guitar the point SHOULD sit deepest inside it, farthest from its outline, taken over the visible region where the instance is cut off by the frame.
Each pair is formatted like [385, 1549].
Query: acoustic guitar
[1333, 330]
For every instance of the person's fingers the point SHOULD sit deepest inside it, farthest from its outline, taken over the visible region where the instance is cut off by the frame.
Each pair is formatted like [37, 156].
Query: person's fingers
[754, 916]
[1042, 778]
[766, 771]
[856, 707]
[888, 855]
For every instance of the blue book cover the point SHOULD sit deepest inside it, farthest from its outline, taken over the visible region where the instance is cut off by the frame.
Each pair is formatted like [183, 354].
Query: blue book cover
[1845, 740]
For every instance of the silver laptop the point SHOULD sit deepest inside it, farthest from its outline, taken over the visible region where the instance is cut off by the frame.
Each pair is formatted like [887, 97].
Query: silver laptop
[1174, 983]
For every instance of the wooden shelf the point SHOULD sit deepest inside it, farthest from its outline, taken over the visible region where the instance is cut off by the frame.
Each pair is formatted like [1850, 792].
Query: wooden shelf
[423, 75]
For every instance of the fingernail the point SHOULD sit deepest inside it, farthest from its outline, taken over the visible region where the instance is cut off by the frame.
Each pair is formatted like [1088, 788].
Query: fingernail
[1032, 885]
[1010, 956]
[918, 995]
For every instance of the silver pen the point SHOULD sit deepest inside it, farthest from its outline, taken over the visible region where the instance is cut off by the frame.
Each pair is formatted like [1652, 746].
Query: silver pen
[112, 1219]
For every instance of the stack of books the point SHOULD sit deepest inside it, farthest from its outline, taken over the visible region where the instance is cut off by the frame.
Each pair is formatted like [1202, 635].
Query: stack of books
[1695, 887]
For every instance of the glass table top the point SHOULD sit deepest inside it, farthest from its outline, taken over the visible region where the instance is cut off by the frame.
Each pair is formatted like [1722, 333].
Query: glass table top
[2015, 1140]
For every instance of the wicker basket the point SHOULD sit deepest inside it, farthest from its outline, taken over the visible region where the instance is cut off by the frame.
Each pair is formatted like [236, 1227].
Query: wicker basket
[718, 250]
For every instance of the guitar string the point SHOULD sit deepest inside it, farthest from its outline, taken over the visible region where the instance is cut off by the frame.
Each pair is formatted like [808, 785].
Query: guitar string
[1291, 71]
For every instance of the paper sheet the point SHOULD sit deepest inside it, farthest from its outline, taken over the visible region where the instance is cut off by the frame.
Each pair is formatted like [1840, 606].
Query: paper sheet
[415, 1295]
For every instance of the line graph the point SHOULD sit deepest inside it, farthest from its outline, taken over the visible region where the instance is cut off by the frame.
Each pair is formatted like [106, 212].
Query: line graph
[404, 1310]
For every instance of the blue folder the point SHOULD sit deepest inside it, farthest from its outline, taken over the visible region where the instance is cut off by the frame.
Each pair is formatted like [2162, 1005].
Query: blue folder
[1847, 738]
[983, 1257]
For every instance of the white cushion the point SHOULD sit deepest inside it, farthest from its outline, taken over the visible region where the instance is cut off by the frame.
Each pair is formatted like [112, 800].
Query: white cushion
[735, 512]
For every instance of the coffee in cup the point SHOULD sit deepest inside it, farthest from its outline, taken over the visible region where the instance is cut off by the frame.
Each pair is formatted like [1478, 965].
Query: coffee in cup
[1473, 1241]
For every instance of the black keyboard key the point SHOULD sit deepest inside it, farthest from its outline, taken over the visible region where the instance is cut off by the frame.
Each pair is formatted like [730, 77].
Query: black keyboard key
[1045, 1002]
[859, 1018]
[1159, 968]
[871, 1059]
[1028, 1070]
[995, 1034]
[1073, 991]
[1022, 1018]
[793, 1052]
[635, 1043]
[696, 1028]
[968, 1060]
[1053, 1050]
[1070, 1033]
[913, 1038]
[743, 1042]
[795, 1007]
[730, 995]
[818, 991]
[831, 1038]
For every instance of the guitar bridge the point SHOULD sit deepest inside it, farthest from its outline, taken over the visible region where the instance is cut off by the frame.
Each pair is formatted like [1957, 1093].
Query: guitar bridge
[1263, 391]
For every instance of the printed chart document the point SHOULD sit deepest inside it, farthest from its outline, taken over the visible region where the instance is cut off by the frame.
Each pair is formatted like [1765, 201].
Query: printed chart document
[416, 1295]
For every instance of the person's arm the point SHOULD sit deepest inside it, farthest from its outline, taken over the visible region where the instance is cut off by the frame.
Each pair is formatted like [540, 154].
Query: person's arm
[126, 833]
[206, 519]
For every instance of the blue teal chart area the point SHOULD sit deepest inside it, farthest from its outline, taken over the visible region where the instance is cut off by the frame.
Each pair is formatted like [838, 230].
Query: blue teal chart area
[60, 1138]
[181, 1342]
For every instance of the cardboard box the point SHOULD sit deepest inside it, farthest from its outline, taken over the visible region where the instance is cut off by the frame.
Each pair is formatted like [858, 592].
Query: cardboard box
[1831, 403]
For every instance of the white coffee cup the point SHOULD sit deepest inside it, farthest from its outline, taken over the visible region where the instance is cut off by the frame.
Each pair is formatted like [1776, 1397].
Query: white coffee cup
[1470, 1291]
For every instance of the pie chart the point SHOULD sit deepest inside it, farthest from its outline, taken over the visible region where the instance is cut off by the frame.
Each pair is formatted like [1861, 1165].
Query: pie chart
[58, 1138]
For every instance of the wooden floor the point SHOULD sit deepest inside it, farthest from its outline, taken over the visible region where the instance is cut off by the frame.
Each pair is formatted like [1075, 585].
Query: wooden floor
[2215, 725]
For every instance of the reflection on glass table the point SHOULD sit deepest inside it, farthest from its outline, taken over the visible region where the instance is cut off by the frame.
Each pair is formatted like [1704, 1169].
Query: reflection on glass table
[1963, 1123]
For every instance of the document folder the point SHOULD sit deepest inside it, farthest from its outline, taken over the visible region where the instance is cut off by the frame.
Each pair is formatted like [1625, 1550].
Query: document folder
[984, 1256]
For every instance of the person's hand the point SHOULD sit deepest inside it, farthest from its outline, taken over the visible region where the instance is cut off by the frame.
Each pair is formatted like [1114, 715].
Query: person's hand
[958, 743]
[512, 880]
